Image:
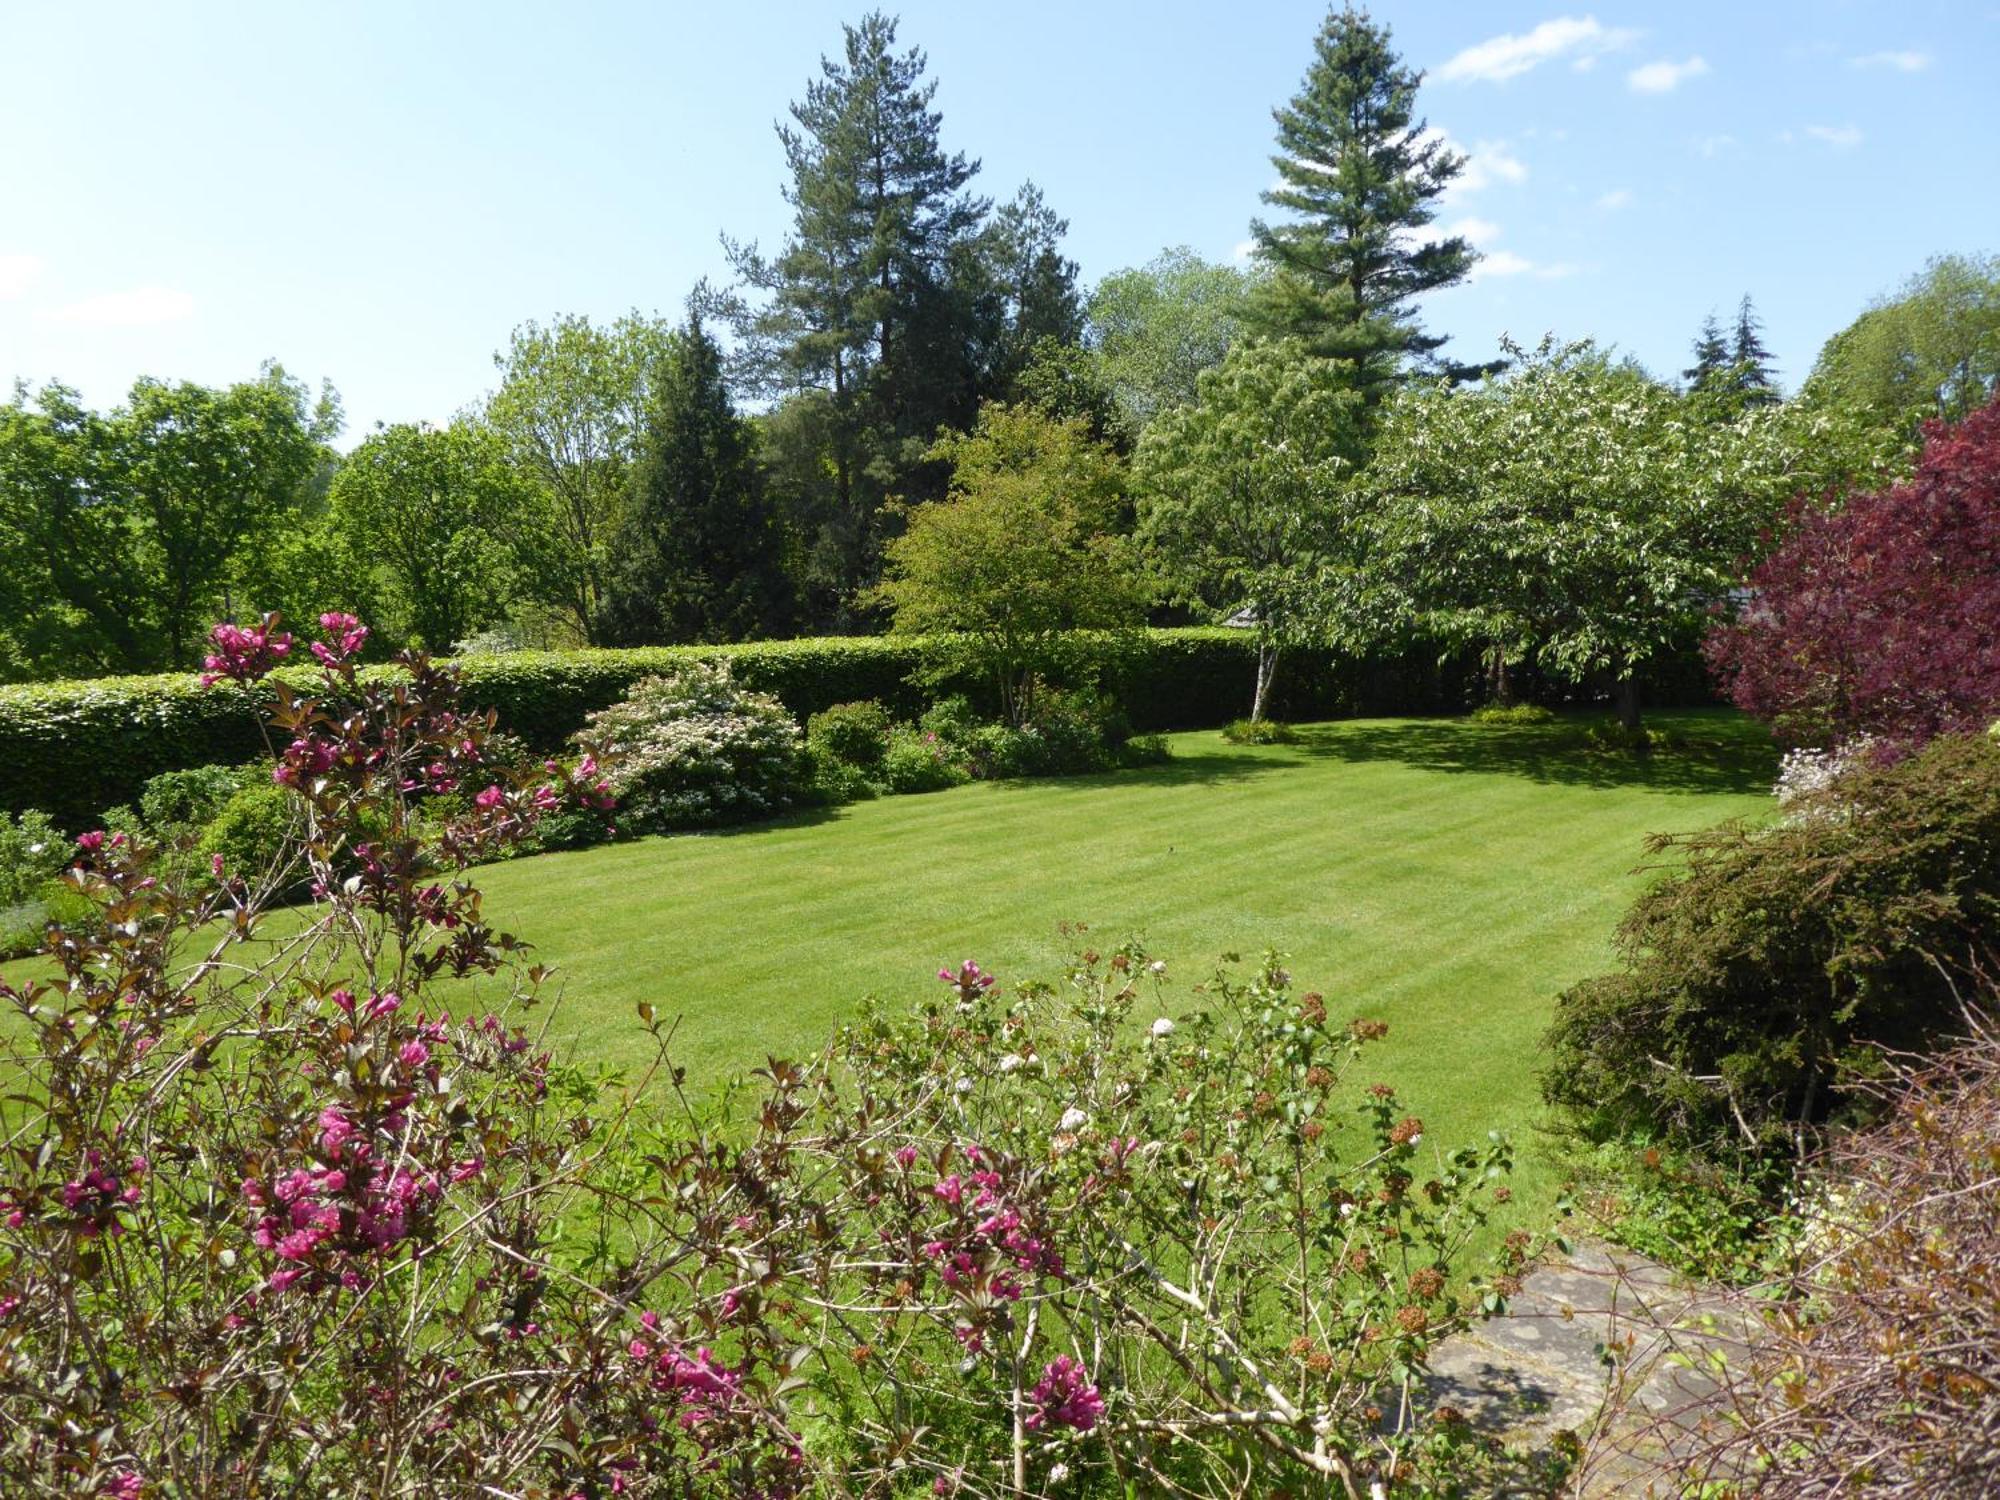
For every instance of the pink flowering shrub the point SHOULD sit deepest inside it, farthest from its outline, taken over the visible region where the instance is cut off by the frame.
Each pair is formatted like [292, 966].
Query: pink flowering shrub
[302, 1201]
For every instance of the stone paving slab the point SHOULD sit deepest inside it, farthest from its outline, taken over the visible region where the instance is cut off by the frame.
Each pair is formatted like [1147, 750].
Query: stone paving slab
[1547, 1365]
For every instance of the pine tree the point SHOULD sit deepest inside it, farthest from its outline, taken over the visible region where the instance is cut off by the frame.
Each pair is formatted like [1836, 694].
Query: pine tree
[869, 301]
[1750, 375]
[1360, 177]
[1711, 357]
[1032, 287]
[697, 556]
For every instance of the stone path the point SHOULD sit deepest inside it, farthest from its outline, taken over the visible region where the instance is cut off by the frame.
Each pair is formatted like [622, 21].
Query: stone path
[1544, 1368]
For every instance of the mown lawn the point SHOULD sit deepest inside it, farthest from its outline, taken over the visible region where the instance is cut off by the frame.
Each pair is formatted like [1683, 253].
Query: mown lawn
[1445, 877]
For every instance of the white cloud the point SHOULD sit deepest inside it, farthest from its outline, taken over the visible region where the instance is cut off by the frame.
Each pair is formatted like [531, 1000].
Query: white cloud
[1616, 198]
[146, 304]
[1902, 62]
[1842, 136]
[1507, 263]
[16, 271]
[1714, 145]
[1500, 58]
[1664, 76]
[1243, 251]
[1474, 230]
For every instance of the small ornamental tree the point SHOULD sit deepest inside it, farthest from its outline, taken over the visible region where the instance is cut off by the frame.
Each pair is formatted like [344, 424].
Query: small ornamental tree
[1880, 616]
[1238, 490]
[1020, 561]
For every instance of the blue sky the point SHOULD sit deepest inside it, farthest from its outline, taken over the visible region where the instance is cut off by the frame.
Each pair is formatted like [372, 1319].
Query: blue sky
[376, 193]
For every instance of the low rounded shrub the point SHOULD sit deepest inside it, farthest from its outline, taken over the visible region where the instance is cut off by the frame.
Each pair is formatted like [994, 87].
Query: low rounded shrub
[831, 781]
[696, 749]
[1761, 980]
[917, 761]
[1260, 732]
[1513, 713]
[1145, 750]
[856, 733]
[254, 833]
[176, 801]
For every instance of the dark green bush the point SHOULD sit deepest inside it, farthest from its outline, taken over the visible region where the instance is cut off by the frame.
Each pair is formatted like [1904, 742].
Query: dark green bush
[1513, 713]
[857, 733]
[254, 832]
[918, 761]
[831, 781]
[191, 799]
[1260, 732]
[1756, 978]
[1145, 750]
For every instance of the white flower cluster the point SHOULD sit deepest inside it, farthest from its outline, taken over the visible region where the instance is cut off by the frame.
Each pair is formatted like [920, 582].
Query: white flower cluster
[696, 748]
[1804, 775]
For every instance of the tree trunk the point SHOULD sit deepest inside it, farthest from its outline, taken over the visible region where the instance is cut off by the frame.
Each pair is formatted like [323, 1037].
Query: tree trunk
[1501, 683]
[1626, 696]
[1267, 668]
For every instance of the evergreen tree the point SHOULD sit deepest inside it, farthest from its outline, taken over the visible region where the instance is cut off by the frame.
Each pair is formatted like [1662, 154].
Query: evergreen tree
[697, 555]
[1711, 357]
[1750, 374]
[1360, 177]
[1033, 289]
[874, 298]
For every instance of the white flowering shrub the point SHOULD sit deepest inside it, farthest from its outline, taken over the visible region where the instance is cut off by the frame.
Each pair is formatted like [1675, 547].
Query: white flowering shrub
[696, 749]
[1807, 777]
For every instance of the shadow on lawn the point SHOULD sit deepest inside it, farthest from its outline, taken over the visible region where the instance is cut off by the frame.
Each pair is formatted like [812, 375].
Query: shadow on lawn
[1692, 755]
[1183, 770]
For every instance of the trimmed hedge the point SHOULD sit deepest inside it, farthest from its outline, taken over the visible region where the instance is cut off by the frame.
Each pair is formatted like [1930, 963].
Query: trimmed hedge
[75, 748]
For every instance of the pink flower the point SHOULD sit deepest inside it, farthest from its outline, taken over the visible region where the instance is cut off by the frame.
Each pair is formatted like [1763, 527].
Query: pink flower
[413, 1054]
[493, 796]
[244, 655]
[1064, 1397]
[90, 842]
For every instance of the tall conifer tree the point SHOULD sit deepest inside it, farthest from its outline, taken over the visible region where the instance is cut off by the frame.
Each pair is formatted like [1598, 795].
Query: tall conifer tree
[867, 302]
[1360, 177]
[697, 556]
[1711, 357]
[1751, 376]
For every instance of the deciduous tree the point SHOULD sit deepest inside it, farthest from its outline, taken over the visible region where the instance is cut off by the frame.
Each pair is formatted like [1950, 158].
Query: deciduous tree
[1880, 615]
[1021, 555]
[1238, 492]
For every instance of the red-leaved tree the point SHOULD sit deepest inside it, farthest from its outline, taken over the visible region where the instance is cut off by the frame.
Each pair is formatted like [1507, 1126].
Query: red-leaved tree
[1881, 617]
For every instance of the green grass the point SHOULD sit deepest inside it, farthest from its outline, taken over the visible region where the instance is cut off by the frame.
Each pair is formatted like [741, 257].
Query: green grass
[1446, 877]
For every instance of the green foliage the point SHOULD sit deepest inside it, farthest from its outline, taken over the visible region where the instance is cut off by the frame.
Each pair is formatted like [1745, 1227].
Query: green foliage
[1757, 979]
[257, 832]
[1155, 328]
[1573, 513]
[1239, 493]
[856, 733]
[75, 748]
[1145, 750]
[697, 749]
[698, 555]
[831, 781]
[571, 414]
[1513, 714]
[1019, 564]
[1932, 350]
[1704, 1214]
[1359, 181]
[1259, 732]
[415, 506]
[176, 801]
[918, 761]
[119, 530]
[33, 851]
